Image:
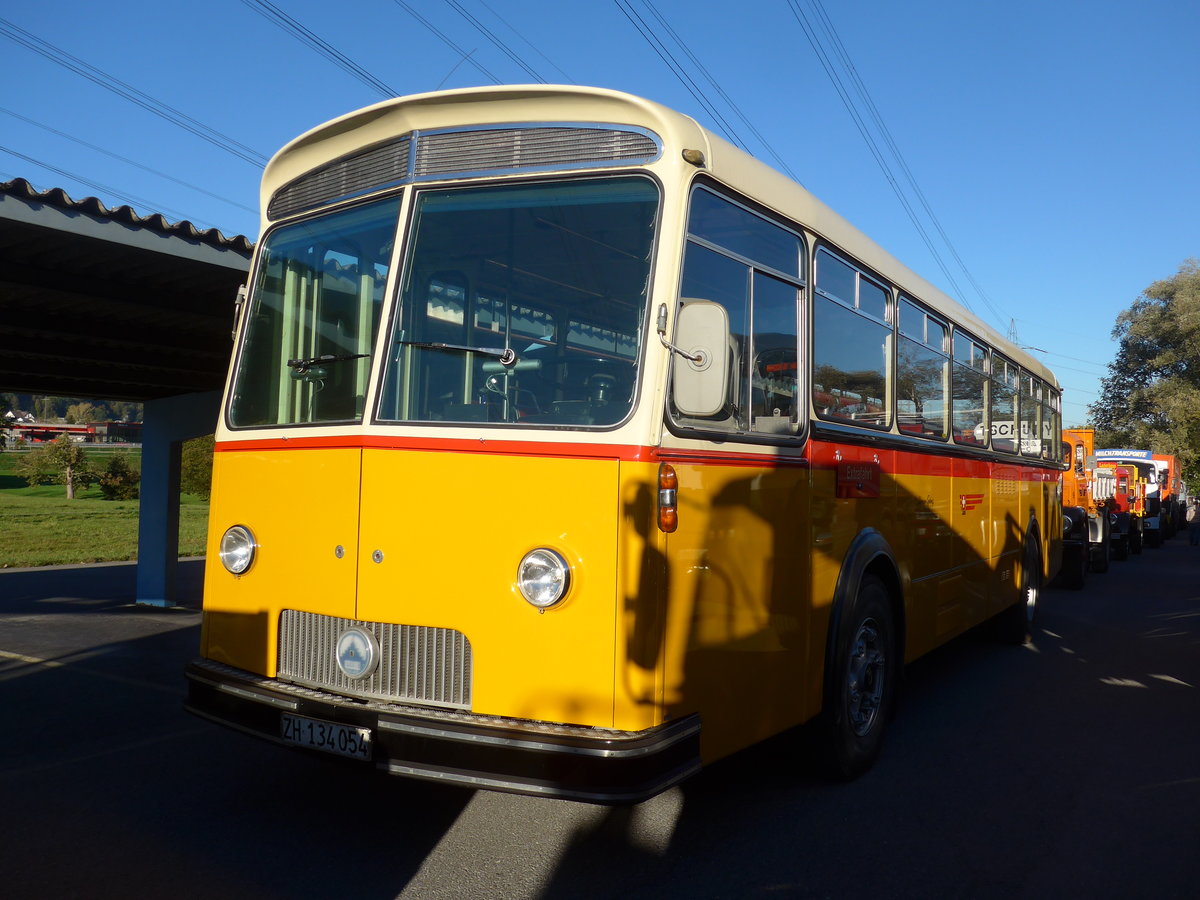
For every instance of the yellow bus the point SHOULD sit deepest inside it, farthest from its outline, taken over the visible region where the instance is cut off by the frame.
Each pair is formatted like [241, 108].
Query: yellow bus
[567, 448]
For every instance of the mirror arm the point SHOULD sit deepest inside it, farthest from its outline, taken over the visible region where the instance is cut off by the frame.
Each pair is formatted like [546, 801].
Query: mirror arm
[238, 302]
[697, 357]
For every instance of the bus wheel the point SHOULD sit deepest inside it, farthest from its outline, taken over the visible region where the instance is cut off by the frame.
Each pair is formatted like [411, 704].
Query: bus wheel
[1016, 623]
[861, 682]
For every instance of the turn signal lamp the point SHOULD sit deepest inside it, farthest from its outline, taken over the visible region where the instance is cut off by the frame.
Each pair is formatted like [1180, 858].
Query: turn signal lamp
[668, 497]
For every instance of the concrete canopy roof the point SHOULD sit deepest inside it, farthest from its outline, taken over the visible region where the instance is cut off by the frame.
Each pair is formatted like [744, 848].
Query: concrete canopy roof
[111, 305]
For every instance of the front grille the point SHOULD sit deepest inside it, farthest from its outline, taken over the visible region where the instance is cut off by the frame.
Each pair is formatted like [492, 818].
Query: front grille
[474, 151]
[418, 664]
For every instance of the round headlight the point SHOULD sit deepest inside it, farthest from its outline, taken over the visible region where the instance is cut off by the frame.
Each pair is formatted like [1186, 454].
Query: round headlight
[237, 549]
[543, 577]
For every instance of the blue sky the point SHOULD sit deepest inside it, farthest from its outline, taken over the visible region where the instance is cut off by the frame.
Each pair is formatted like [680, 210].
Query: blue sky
[1056, 143]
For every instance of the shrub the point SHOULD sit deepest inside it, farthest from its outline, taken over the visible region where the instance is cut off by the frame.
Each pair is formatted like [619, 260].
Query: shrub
[195, 470]
[119, 480]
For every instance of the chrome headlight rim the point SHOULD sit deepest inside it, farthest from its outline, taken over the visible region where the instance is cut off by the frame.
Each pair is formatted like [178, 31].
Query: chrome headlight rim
[238, 549]
[543, 578]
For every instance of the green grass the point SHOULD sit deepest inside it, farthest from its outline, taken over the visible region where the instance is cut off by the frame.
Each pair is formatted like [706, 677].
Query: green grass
[39, 526]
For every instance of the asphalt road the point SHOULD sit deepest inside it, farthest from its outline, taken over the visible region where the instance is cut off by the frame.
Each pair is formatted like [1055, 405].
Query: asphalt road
[1070, 769]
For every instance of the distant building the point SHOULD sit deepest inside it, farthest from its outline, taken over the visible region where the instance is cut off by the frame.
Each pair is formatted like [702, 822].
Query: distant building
[90, 433]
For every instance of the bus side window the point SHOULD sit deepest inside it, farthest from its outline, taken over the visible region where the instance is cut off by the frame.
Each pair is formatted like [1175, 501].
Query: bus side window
[711, 276]
[1004, 400]
[921, 373]
[756, 276]
[774, 376]
[851, 345]
[968, 388]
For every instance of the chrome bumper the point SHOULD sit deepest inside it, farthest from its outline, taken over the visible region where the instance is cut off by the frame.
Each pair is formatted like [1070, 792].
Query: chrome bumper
[593, 765]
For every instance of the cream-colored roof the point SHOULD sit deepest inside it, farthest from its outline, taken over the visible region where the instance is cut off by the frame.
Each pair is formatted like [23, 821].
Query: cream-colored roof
[568, 103]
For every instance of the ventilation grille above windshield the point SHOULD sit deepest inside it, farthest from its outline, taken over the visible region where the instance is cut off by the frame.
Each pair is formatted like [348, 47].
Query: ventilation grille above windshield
[478, 151]
[377, 167]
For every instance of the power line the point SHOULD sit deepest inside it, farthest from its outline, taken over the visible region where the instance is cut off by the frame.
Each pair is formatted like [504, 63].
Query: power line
[496, 42]
[95, 185]
[133, 95]
[276, 16]
[666, 25]
[1057, 368]
[126, 160]
[877, 118]
[668, 58]
[1090, 362]
[848, 103]
[454, 68]
[567, 78]
[464, 55]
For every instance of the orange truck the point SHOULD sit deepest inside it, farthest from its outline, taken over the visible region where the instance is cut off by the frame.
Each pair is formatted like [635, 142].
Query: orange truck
[1170, 490]
[1086, 522]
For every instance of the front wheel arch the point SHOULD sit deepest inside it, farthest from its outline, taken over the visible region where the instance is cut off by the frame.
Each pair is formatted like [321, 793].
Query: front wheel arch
[869, 553]
[1016, 623]
[863, 658]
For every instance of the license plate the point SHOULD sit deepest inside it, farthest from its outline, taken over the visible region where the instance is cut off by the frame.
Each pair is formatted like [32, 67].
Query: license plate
[332, 737]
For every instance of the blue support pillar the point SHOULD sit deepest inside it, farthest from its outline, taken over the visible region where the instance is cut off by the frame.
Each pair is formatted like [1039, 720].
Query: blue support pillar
[167, 423]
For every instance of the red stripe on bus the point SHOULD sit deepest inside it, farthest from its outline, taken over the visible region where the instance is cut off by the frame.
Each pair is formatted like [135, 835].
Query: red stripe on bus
[573, 450]
[817, 454]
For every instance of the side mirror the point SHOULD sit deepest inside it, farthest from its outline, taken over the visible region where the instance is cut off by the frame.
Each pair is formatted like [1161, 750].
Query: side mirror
[700, 365]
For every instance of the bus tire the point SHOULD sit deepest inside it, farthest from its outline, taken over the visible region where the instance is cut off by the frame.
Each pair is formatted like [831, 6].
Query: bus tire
[1016, 624]
[860, 682]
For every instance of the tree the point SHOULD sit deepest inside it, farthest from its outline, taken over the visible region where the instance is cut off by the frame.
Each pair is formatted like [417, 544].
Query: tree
[119, 480]
[61, 461]
[195, 470]
[47, 409]
[123, 411]
[83, 412]
[1151, 397]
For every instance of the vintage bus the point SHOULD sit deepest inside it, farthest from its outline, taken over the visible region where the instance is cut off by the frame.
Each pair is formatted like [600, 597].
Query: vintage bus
[566, 448]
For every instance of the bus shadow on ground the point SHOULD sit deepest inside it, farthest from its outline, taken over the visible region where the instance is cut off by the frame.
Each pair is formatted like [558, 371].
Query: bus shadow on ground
[111, 789]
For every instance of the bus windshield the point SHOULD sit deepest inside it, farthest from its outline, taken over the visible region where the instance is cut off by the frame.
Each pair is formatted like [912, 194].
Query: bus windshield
[313, 319]
[522, 304]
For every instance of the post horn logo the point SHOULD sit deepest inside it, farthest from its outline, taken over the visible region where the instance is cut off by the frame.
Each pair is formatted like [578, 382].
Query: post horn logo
[969, 502]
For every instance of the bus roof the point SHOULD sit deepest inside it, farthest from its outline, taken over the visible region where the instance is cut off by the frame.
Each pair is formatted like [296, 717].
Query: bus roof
[509, 104]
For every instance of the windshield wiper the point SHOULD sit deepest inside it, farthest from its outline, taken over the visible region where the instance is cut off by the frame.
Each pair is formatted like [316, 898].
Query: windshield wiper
[303, 365]
[506, 355]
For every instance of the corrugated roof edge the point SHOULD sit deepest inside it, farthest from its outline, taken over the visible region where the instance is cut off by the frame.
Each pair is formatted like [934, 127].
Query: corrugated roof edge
[57, 197]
